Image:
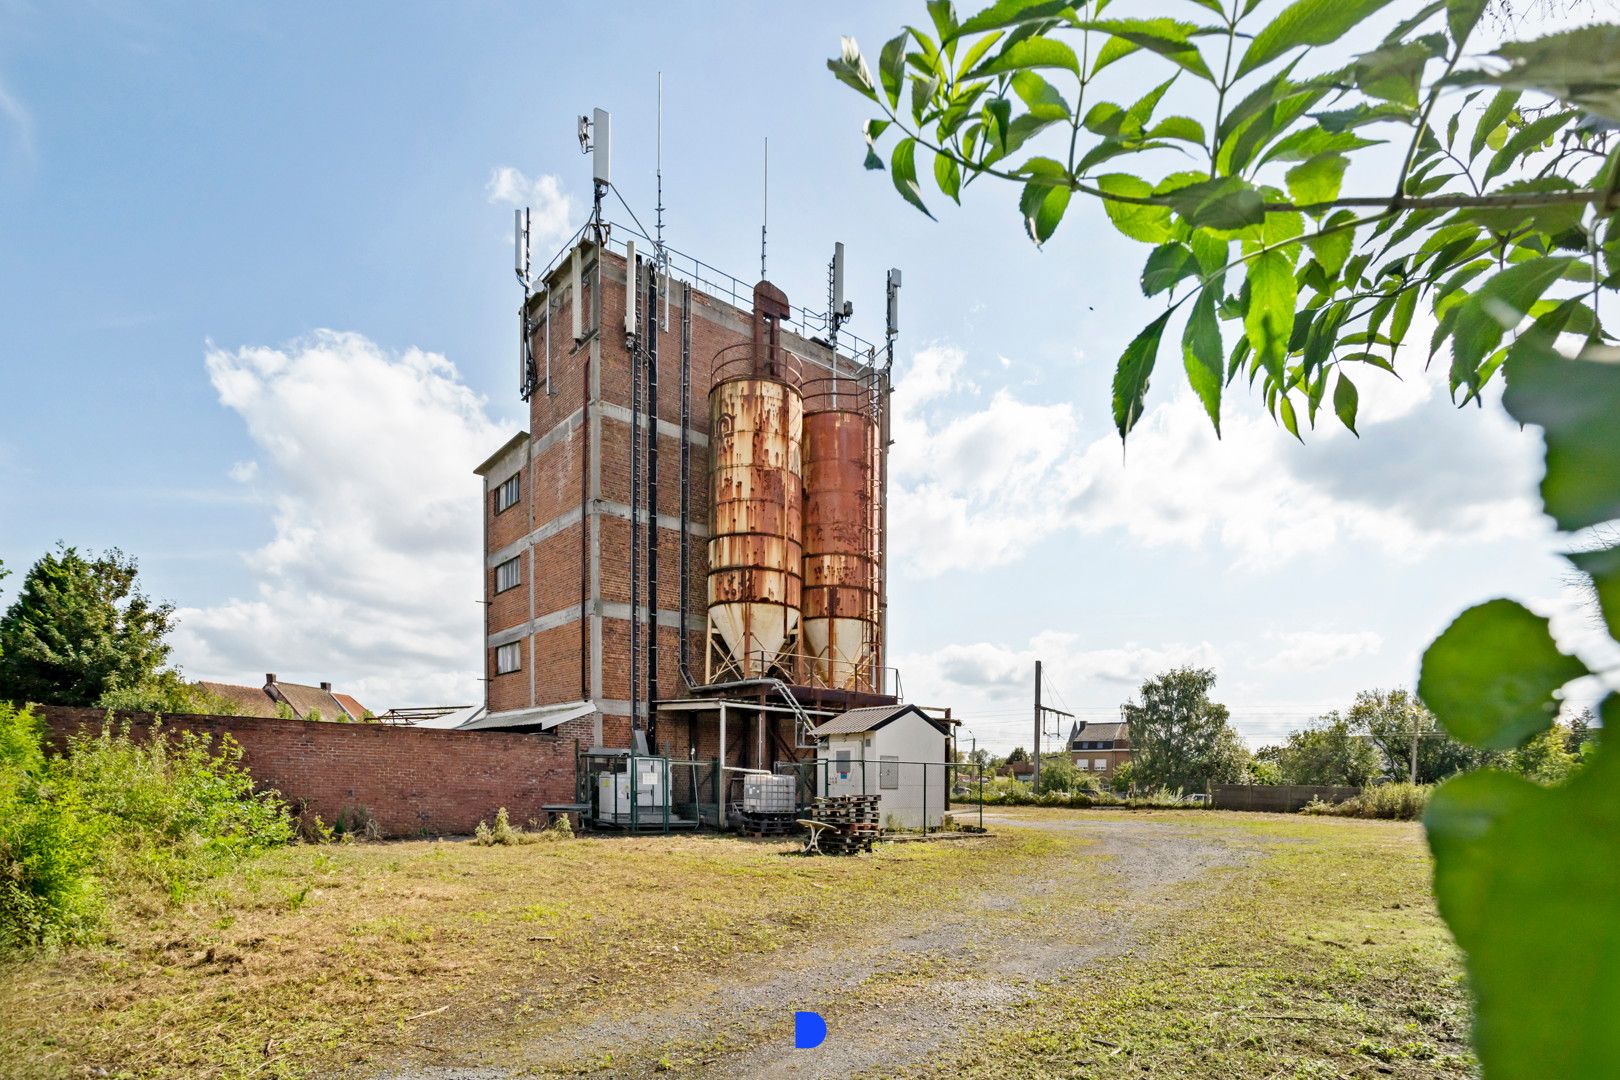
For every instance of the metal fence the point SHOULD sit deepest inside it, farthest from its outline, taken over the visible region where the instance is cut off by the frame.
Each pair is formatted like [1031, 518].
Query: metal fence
[916, 795]
[645, 793]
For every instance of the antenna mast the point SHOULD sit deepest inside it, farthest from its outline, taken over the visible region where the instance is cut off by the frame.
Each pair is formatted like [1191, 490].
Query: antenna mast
[765, 209]
[520, 266]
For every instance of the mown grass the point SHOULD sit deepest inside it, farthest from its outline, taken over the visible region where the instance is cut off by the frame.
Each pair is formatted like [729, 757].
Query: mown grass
[1322, 956]
[324, 958]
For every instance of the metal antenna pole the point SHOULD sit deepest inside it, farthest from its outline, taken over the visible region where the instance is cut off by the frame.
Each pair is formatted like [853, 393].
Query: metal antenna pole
[765, 210]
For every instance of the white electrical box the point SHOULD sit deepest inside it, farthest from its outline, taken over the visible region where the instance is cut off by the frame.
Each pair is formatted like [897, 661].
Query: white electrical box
[649, 787]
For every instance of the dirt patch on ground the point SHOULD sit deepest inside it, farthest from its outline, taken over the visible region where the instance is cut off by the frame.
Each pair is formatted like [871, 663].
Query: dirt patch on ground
[896, 992]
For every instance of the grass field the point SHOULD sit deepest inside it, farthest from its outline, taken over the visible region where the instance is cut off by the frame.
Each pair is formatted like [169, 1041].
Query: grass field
[1278, 946]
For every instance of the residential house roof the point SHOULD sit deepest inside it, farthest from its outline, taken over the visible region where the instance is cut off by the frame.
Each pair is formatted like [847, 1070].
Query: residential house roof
[303, 700]
[248, 700]
[856, 721]
[1108, 734]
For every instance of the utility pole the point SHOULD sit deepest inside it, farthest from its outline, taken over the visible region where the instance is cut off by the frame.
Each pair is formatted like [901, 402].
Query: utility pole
[1414, 746]
[1036, 779]
[1041, 712]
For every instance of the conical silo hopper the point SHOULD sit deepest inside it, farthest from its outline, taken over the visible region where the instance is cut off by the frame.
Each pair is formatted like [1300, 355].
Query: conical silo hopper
[840, 619]
[756, 421]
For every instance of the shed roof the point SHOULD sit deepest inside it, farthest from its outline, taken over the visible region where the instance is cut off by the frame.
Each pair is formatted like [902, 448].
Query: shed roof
[871, 718]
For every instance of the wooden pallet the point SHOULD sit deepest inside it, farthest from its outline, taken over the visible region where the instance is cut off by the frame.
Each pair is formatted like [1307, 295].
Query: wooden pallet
[751, 824]
[854, 821]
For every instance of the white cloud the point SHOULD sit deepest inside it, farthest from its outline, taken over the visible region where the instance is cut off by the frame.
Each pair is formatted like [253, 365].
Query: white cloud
[551, 210]
[977, 483]
[21, 121]
[244, 472]
[371, 579]
[1310, 650]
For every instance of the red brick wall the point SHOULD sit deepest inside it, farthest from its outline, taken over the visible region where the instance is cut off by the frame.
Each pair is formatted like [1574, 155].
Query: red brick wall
[412, 781]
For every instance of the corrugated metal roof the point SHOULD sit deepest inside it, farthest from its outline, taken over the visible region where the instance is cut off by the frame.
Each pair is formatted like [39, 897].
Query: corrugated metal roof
[543, 718]
[870, 719]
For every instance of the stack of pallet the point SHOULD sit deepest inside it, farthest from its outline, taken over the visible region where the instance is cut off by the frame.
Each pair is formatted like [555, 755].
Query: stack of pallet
[765, 823]
[854, 821]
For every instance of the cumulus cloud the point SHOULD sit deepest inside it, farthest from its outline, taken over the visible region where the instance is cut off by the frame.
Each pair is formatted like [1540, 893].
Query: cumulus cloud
[1310, 650]
[978, 481]
[371, 579]
[551, 210]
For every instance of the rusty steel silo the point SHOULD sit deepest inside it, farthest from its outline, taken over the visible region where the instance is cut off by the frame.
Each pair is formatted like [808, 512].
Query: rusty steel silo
[841, 613]
[756, 422]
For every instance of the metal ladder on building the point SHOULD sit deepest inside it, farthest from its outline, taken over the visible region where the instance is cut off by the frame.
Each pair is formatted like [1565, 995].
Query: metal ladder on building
[802, 722]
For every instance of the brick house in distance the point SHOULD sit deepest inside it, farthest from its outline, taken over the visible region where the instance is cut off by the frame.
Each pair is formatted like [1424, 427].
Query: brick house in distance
[1100, 749]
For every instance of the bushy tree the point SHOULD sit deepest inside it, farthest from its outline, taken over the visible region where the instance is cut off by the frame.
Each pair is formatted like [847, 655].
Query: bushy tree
[1545, 758]
[1582, 729]
[1018, 754]
[80, 626]
[168, 694]
[1058, 774]
[1389, 718]
[1182, 739]
[1328, 752]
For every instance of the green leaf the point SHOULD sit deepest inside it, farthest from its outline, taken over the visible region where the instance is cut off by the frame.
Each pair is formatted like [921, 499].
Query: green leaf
[1269, 321]
[1290, 420]
[892, 65]
[1305, 22]
[1167, 37]
[1026, 53]
[1496, 113]
[1145, 222]
[1203, 355]
[1462, 16]
[1308, 142]
[1393, 72]
[1552, 220]
[851, 70]
[1511, 854]
[1131, 376]
[1041, 97]
[1340, 120]
[1524, 141]
[1045, 198]
[1492, 676]
[1317, 180]
[1345, 401]
[1575, 403]
[1226, 204]
[1603, 567]
[1333, 248]
[1210, 250]
[1166, 266]
[903, 168]
[948, 175]
[1575, 66]
[1005, 13]
[1498, 306]
[1182, 128]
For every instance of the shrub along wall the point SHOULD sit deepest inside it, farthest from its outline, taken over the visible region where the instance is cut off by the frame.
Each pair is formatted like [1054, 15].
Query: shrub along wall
[1279, 798]
[410, 781]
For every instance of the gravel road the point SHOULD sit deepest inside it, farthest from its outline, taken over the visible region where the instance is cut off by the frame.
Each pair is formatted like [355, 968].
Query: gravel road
[902, 993]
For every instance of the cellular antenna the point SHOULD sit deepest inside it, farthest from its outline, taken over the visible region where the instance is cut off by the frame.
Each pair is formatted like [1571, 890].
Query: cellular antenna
[596, 139]
[892, 322]
[520, 267]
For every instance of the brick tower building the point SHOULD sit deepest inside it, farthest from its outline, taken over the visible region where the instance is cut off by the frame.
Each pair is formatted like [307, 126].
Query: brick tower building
[620, 432]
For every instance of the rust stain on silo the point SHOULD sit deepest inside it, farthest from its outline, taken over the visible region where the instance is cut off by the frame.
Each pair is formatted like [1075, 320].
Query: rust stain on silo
[756, 558]
[841, 611]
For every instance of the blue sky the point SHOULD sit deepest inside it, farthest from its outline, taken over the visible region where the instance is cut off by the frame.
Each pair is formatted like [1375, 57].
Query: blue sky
[257, 315]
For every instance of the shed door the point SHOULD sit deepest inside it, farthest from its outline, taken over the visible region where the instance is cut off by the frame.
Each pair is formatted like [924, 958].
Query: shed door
[889, 771]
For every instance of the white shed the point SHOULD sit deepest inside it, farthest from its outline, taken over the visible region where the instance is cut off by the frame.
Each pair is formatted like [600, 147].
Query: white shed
[897, 752]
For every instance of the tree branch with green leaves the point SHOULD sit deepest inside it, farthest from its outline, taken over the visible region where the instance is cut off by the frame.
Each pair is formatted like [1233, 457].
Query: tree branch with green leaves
[1498, 213]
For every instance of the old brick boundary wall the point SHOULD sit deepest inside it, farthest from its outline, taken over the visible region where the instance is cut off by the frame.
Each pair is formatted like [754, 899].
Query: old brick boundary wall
[411, 781]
